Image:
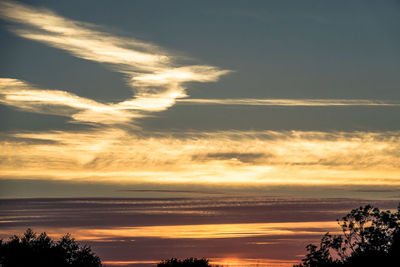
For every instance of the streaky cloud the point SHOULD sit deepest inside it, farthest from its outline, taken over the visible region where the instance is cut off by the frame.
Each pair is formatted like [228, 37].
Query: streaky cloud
[201, 231]
[214, 230]
[231, 157]
[290, 102]
[82, 39]
[171, 191]
[23, 96]
[154, 75]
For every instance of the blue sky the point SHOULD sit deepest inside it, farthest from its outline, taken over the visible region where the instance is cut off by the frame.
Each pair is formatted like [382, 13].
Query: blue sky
[276, 49]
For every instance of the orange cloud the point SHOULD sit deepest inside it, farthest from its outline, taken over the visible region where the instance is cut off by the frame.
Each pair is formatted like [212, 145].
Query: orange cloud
[113, 155]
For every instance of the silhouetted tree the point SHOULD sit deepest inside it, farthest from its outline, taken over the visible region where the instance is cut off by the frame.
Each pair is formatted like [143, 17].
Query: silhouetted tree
[40, 250]
[190, 262]
[370, 238]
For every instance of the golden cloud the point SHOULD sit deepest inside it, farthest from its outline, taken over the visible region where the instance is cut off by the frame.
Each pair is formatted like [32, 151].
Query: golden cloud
[292, 157]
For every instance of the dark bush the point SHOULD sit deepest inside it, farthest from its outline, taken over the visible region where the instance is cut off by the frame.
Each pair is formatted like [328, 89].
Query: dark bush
[40, 250]
[370, 238]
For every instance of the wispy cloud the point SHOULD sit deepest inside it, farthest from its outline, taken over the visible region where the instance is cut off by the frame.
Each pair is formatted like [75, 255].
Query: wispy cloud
[154, 75]
[114, 155]
[171, 191]
[200, 231]
[156, 78]
[23, 96]
[81, 39]
[290, 102]
[214, 230]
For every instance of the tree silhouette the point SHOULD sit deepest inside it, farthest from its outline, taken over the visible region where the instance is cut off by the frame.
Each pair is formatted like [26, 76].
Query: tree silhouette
[40, 250]
[370, 238]
[190, 262]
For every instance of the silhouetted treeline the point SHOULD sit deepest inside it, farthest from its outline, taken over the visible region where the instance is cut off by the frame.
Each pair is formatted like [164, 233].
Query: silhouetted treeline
[32, 250]
[370, 238]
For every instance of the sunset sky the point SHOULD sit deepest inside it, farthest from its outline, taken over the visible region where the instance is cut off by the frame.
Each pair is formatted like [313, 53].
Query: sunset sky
[194, 99]
[228, 93]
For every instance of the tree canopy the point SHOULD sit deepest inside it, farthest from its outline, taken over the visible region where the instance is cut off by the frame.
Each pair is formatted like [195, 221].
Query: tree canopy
[40, 250]
[370, 238]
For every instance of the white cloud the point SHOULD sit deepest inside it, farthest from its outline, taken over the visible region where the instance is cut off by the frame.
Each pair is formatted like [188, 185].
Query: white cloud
[26, 97]
[290, 102]
[153, 74]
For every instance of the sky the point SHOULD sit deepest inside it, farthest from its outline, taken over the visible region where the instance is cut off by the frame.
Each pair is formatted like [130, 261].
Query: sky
[235, 130]
[228, 94]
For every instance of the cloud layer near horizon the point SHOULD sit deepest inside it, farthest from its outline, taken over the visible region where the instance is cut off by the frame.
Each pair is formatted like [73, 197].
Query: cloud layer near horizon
[293, 157]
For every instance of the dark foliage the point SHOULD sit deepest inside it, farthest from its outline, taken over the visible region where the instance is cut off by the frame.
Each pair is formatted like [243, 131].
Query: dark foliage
[370, 238]
[40, 250]
[190, 262]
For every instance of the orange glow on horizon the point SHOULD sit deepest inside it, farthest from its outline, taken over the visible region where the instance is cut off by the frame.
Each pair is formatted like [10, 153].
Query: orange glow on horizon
[236, 261]
[201, 231]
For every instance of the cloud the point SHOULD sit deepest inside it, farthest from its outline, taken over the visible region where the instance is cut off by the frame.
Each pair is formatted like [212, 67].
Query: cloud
[214, 230]
[116, 156]
[154, 75]
[82, 39]
[289, 102]
[233, 156]
[201, 231]
[23, 96]
[167, 191]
